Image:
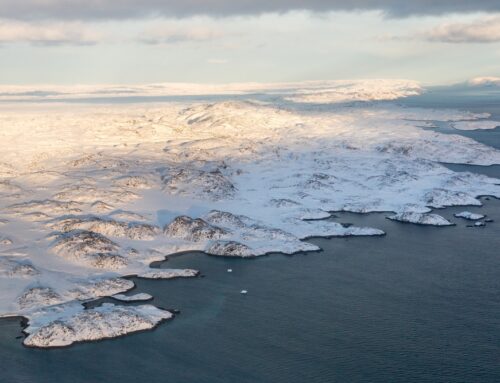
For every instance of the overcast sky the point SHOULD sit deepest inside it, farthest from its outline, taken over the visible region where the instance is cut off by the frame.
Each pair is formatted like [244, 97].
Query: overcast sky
[216, 41]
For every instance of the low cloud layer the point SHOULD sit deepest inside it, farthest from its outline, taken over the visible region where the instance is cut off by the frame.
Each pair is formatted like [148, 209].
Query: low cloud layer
[175, 34]
[119, 9]
[480, 31]
[46, 34]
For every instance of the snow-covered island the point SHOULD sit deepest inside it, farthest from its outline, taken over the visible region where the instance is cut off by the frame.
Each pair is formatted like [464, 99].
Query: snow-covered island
[140, 297]
[470, 216]
[91, 194]
[421, 219]
[476, 125]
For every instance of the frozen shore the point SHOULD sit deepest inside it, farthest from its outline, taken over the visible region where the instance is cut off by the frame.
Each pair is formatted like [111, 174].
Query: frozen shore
[90, 194]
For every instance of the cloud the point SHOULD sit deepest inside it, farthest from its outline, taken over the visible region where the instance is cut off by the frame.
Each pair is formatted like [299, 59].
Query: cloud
[172, 34]
[46, 34]
[486, 30]
[217, 61]
[120, 9]
[484, 81]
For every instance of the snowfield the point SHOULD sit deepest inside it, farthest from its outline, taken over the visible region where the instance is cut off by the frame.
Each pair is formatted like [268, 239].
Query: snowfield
[469, 216]
[92, 193]
[421, 219]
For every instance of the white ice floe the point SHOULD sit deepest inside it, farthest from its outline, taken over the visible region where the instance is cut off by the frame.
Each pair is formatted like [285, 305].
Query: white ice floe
[470, 216]
[421, 219]
[92, 193]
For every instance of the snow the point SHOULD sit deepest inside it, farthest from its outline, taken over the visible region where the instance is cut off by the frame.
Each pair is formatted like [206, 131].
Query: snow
[368, 90]
[90, 249]
[194, 230]
[332, 91]
[100, 288]
[16, 267]
[475, 125]
[106, 226]
[106, 321]
[91, 193]
[470, 216]
[133, 298]
[421, 219]
[168, 273]
[4, 241]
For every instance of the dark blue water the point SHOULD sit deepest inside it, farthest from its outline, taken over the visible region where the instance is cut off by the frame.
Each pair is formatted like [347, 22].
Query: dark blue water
[477, 101]
[421, 304]
[466, 99]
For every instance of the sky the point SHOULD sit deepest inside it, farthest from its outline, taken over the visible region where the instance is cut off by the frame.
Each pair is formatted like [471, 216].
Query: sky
[223, 41]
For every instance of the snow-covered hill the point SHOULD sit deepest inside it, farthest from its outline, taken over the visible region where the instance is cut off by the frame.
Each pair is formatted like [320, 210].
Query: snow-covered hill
[90, 194]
